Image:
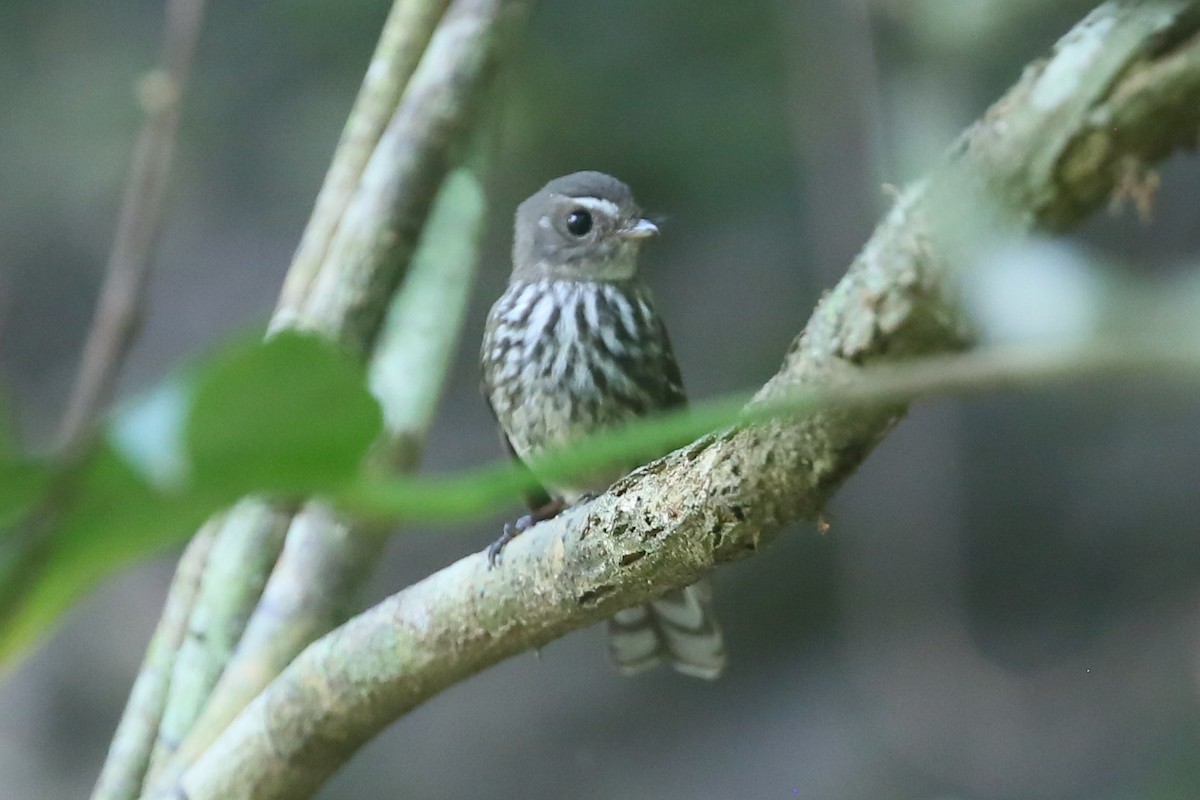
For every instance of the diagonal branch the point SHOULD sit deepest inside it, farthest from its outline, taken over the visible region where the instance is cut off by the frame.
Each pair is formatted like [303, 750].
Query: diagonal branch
[404, 37]
[129, 755]
[1124, 84]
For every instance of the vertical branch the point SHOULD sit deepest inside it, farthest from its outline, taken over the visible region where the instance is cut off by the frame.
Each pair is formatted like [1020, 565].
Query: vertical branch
[325, 560]
[374, 241]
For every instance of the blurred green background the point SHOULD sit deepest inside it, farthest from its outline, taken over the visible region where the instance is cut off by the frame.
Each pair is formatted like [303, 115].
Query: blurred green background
[1005, 604]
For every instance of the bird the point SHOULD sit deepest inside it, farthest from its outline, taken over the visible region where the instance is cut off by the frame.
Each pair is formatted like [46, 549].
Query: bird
[573, 346]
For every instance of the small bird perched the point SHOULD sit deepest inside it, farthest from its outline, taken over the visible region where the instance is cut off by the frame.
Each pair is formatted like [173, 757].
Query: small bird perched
[575, 346]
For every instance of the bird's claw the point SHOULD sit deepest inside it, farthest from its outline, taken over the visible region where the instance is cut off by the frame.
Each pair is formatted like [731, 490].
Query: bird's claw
[511, 531]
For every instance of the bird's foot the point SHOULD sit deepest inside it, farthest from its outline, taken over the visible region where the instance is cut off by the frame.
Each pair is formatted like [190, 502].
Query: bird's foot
[514, 529]
[511, 531]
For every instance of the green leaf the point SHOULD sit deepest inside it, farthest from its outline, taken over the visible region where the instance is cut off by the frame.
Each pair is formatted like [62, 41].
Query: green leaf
[291, 415]
[21, 479]
[105, 517]
[21, 482]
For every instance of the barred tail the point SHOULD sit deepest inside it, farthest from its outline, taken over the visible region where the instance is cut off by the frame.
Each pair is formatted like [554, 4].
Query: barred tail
[679, 628]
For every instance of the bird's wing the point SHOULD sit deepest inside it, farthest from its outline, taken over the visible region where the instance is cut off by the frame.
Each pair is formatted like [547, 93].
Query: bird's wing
[536, 497]
[672, 393]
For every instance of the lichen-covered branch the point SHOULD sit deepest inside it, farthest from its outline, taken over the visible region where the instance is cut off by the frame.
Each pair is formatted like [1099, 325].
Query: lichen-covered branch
[728, 494]
[324, 558]
[129, 754]
[405, 35]
[403, 174]
[247, 542]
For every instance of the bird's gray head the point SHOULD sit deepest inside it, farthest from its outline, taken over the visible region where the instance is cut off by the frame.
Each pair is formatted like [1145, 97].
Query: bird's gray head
[583, 226]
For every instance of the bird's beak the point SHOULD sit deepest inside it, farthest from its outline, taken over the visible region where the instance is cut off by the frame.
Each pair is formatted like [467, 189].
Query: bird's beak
[641, 229]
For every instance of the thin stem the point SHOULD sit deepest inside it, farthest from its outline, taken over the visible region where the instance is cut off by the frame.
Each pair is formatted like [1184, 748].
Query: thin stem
[118, 311]
[478, 493]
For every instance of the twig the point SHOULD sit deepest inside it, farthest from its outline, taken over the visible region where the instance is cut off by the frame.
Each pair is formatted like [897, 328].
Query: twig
[727, 495]
[118, 312]
[480, 492]
[117, 319]
[25, 548]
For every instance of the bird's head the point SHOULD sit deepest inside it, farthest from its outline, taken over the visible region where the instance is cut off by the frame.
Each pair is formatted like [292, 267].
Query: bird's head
[584, 226]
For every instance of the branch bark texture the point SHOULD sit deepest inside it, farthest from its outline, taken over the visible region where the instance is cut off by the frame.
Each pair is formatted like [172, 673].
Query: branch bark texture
[1123, 86]
[405, 35]
[400, 179]
[129, 755]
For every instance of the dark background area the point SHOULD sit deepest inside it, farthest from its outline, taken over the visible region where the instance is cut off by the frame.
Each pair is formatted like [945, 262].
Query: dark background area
[1005, 603]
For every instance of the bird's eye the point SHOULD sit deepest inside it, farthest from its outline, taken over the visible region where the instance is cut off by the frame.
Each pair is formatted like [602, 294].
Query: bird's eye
[579, 222]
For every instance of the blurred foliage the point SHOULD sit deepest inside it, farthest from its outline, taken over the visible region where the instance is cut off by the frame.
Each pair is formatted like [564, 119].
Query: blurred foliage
[109, 516]
[290, 416]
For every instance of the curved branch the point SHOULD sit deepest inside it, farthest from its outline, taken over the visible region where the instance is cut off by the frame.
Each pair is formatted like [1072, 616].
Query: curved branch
[1046, 154]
